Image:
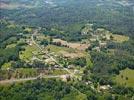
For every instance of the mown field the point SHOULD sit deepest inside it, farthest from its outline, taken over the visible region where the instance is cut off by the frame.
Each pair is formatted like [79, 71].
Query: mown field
[126, 77]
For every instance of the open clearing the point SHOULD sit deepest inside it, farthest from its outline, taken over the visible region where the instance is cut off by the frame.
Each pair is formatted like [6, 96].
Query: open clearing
[11, 45]
[72, 55]
[66, 52]
[126, 77]
[58, 72]
[6, 65]
[120, 38]
[28, 53]
[78, 46]
[69, 53]
[57, 49]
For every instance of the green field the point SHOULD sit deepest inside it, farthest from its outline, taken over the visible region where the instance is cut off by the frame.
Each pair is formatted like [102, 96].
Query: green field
[56, 49]
[75, 96]
[120, 38]
[11, 45]
[28, 53]
[6, 65]
[58, 72]
[73, 27]
[18, 73]
[126, 77]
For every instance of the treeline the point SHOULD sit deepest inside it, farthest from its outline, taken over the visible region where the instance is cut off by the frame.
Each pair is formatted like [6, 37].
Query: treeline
[10, 34]
[18, 73]
[39, 89]
[10, 54]
[54, 89]
[116, 93]
[107, 62]
[8, 29]
[68, 35]
[77, 12]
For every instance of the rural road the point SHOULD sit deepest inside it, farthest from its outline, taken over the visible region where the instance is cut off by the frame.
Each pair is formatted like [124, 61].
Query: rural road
[32, 78]
[40, 76]
[32, 37]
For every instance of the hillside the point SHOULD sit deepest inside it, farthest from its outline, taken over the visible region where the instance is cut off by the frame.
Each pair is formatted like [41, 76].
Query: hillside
[114, 15]
[66, 50]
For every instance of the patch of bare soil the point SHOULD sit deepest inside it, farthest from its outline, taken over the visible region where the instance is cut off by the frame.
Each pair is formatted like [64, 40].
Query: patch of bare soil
[72, 55]
[78, 46]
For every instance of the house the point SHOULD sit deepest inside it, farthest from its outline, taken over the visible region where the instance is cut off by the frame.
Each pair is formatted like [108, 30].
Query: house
[70, 66]
[65, 77]
[102, 44]
[105, 87]
[76, 71]
[93, 39]
[88, 82]
[29, 42]
[96, 49]
[50, 61]
[20, 34]
[56, 66]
